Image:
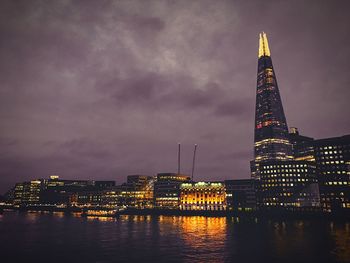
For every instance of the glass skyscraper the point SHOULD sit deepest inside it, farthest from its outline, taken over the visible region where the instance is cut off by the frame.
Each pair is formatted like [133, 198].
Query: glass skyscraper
[271, 141]
[271, 130]
[281, 180]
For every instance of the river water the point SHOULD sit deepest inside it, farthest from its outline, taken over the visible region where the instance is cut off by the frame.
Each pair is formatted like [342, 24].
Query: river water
[38, 237]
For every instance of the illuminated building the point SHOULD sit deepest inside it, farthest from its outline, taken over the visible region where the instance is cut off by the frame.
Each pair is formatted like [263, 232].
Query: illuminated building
[137, 192]
[303, 146]
[288, 184]
[333, 168]
[240, 195]
[167, 190]
[271, 141]
[87, 198]
[283, 165]
[111, 197]
[56, 191]
[202, 196]
[27, 193]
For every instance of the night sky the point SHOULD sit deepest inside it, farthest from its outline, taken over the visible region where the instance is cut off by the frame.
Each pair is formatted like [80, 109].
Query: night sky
[103, 89]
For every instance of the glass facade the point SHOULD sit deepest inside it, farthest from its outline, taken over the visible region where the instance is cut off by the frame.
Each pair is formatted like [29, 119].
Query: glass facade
[271, 131]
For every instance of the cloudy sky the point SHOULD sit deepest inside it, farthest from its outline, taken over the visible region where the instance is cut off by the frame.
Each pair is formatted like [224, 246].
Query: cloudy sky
[103, 89]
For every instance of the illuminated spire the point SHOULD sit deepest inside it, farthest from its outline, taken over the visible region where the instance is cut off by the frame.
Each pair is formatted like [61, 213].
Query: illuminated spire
[263, 45]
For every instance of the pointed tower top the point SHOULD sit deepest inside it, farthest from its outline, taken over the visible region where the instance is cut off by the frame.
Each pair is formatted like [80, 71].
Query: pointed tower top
[263, 45]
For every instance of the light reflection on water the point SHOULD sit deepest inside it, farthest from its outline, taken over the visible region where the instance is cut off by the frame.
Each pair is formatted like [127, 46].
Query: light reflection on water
[62, 238]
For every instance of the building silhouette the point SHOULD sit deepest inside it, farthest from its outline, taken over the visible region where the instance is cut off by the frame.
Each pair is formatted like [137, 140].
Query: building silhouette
[240, 195]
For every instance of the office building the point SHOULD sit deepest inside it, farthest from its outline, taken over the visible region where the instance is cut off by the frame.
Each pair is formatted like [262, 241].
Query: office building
[333, 168]
[240, 195]
[303, 146]
[137, 192]
[283, 165]
[288, 184]
[27, 193]
[167, 190]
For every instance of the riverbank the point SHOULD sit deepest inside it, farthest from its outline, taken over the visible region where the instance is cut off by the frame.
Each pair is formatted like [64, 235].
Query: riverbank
[272, 213]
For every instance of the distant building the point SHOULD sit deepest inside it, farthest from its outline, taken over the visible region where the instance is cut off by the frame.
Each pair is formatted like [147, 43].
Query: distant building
[111, 197]
[203, 196]
[137, 192]
[333, 168]
[27, 193]
[86, 199]
[167, 190]
[288, 184]
[58, 192]
[103, 184]
[240, 195]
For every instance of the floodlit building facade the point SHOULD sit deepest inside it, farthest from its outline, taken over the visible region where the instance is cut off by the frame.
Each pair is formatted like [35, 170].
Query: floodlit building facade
[203, 196]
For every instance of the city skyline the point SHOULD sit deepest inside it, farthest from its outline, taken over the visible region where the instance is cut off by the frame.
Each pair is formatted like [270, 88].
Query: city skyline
[113, 96]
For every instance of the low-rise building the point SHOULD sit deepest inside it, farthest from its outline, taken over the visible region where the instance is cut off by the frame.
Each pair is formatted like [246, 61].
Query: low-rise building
[203, 196]
[240, 195]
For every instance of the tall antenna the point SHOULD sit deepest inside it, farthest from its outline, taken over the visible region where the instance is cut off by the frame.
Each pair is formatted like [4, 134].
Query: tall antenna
[178, 158]
[194, 159]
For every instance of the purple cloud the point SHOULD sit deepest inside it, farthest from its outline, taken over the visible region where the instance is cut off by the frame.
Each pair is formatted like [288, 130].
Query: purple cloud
[103, 89]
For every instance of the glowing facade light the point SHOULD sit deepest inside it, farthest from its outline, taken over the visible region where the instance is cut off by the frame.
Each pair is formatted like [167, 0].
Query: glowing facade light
[263, 45]
[271, 140]
[202, 196]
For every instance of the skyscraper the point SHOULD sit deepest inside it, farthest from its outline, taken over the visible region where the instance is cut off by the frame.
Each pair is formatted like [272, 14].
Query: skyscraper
[271, 131]
[281, 180]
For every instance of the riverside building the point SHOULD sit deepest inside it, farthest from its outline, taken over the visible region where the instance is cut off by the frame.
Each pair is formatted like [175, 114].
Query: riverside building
[240, 195]
[333, 170]
[203, 196]
[167, 190]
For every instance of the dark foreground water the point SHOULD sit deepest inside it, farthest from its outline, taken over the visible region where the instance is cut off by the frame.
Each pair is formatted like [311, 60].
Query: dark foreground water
[35, 237]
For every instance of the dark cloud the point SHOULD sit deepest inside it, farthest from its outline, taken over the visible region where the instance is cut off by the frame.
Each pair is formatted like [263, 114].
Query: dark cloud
[239, 108]
[151, 90]
[102, 89]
